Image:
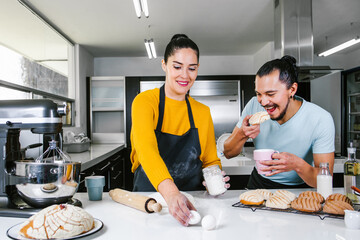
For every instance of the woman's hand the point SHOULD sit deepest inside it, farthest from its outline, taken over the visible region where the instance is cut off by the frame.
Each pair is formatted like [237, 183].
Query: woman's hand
[179, 206]
[226, 179]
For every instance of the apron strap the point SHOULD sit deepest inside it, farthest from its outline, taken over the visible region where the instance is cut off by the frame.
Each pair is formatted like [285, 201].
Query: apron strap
[162, 108]
[191, 119]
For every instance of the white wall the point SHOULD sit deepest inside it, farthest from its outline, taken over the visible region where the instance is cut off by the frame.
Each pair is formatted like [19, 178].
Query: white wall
[325, 92]
[143, 66]
[84, 68]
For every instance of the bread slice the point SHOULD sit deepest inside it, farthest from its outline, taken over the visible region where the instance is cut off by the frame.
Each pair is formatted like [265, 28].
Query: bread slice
[259, 117]
[265, 193]
[286, 194]
[306, 205]
[278, 202]
[339, 197]
[311, 194]
[251, 198]
[336, 207]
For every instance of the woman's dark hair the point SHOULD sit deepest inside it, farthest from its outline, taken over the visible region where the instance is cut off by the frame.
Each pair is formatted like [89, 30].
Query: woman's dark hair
[286, 66]
[179, 41]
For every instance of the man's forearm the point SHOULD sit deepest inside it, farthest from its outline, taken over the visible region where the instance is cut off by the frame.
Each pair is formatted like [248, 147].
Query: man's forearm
[307, 173]
[234, 144]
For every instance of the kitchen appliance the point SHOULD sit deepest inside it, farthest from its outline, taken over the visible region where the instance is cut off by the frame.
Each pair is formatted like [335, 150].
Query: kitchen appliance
[222, 97]
[50, 179]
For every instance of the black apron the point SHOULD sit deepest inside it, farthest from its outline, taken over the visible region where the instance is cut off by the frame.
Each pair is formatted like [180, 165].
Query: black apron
[256, 181]
[180, 154]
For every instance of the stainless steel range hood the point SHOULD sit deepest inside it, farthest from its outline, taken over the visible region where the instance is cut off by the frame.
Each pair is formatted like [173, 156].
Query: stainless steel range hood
[294, 36]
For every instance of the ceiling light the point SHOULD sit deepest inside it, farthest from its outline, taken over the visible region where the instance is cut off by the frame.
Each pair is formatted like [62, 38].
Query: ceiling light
[340, 47]
[147, 46]
[141, 6]
[137, 8]
[144, 7]
[150, 48]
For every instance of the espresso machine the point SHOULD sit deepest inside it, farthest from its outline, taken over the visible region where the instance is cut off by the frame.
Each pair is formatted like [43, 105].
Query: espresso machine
[29, 185]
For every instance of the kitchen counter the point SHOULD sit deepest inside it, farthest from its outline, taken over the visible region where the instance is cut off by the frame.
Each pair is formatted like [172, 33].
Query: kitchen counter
[244, 164]
[122, 222]
[96, 154]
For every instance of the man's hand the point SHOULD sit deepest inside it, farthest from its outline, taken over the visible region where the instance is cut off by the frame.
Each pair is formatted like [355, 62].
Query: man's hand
[284, 162]
[250, 131]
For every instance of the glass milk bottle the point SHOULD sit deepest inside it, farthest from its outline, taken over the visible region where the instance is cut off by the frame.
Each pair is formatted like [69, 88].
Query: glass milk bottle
[324, 180]
[351, 173]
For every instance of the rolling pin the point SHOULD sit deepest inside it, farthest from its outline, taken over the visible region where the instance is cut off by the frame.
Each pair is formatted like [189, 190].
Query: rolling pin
[134, 200]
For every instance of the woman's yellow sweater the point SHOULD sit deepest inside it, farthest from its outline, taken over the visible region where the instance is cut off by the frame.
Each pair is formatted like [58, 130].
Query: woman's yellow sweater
[145, 114]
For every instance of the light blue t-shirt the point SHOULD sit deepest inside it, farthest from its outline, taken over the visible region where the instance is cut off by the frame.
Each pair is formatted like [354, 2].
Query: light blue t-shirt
[310, 130]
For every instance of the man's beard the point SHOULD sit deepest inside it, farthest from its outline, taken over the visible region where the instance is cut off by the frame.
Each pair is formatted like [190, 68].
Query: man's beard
[282, 114]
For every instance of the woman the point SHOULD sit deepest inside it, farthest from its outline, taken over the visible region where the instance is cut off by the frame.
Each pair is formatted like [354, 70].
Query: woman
[172, 134]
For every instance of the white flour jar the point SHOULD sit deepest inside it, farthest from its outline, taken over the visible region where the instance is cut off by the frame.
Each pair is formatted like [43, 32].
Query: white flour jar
[214, 180]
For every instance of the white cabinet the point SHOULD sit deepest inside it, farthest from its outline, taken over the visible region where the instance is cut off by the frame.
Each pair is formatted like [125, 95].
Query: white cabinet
[107, 101]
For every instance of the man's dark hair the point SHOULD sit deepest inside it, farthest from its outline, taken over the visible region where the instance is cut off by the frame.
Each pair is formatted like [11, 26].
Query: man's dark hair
[286, 66]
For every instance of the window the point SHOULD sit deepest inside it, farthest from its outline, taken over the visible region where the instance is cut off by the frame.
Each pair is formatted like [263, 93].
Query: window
[35, 60]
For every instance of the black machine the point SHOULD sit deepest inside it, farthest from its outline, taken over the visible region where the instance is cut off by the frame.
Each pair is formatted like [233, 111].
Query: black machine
[41, 116]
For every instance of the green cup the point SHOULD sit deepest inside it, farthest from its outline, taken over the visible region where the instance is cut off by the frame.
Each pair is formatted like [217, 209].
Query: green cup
[95, 185]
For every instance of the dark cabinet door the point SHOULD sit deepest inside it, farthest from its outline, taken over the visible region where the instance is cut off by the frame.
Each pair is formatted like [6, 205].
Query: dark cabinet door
[111, 168]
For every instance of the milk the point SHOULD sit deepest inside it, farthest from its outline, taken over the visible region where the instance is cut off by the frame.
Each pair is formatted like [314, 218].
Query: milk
[324, 185]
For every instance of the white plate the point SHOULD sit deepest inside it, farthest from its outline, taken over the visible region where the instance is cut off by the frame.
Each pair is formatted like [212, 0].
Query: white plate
[220, 141]
[13, 232]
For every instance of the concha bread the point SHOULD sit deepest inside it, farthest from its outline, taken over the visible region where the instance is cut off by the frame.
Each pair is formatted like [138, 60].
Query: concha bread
[278, 202]
[311, 194]
[339, 197]
[259, 117]
[336, 207]
[285, 194]
[306, 205]
[265, 193]
[57, 221]
[251, 198]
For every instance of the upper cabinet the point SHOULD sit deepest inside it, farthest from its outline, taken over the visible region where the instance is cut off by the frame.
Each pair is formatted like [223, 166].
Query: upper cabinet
[107, 101]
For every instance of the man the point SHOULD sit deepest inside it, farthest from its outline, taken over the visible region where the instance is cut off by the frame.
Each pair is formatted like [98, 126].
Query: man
[301, 131]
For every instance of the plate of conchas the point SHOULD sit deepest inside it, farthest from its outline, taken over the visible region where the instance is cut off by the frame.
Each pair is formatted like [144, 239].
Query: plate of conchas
[57, 222]
[308, 201]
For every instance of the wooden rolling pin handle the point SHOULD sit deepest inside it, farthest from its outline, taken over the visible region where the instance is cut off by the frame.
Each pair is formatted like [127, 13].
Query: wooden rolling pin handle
[152, 206]
[355, 189]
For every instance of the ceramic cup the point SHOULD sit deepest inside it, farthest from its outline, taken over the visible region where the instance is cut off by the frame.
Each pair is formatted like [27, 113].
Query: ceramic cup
[352, 219]
[95, 185]
[263, 155]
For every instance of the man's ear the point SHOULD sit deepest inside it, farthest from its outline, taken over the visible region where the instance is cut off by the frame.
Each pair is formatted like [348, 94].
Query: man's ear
[293, 88]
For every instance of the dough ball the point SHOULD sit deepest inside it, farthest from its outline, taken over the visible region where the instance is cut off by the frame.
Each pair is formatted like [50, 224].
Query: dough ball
[208, 222]
[195, 218]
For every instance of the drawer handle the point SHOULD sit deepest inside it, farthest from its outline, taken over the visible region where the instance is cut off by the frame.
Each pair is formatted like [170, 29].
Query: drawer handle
[104, 167]
[117, 175]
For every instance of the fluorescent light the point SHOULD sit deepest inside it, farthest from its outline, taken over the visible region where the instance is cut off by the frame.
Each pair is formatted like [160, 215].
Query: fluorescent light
[144, 7]
[152, 48]
[137, 8]
[141, 6]
[147, 46]
[340, 47]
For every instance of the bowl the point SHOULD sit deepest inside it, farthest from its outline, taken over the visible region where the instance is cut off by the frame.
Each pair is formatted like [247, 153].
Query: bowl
[76, 147]
[46, 183]
[352, 219]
